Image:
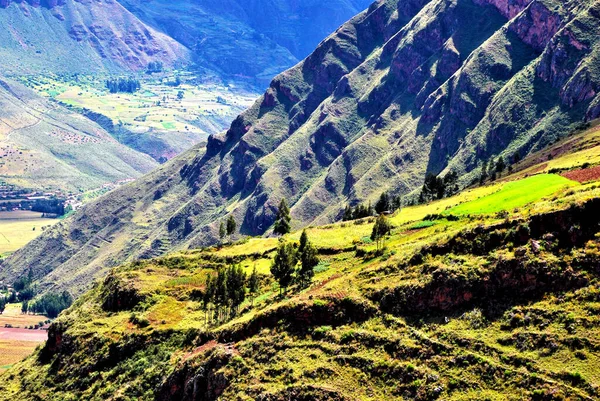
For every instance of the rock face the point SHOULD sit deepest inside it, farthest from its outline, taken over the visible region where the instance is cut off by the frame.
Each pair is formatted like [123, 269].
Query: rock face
[80, 36]
[403, 89]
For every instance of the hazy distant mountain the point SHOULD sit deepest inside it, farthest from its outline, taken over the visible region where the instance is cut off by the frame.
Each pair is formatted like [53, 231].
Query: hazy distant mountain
[79, 36]
[247, 38]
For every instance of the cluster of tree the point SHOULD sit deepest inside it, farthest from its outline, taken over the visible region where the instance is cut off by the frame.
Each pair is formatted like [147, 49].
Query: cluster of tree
[284, 267]
[155, 66]
[176, 82]
[227, 291]
[385, 204]
[50, 304]
[388, 203]
[127, 85]
[359, 212]
[381, 229]
[437, 187]
[494, 169]
[227, 228]
[25, 290]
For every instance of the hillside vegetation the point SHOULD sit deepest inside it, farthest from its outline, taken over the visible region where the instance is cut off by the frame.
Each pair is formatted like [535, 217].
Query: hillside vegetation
[467, 301]
[403, 90]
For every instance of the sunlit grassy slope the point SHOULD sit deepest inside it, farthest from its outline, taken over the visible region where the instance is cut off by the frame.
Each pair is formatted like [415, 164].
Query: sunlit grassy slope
[515, 194]
[488, 306]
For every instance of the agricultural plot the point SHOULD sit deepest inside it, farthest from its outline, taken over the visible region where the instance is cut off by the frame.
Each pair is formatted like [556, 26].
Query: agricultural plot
[190, 110]
[19, 227]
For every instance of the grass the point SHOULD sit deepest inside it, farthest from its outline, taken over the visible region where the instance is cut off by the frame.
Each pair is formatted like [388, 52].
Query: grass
[20, 227]
[515, 194]
[414, 321]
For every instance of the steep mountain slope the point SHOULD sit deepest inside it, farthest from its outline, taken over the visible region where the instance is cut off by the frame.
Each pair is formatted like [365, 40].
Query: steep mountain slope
[461, 308]
[44, 146]
[79, 37]
[253, 39]
[401, 90]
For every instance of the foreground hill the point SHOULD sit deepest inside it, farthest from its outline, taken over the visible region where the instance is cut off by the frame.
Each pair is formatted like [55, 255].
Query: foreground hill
[491, 294]
[247, 39]
[403, 89]
[79, 37]
[46, 147]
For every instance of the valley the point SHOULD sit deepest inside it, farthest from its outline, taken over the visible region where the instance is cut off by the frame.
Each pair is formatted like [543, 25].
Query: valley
[161, 119]
[20, 227]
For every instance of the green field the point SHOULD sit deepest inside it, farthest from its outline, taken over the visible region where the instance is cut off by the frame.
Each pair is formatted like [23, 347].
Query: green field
[515, 194]
[19, 227]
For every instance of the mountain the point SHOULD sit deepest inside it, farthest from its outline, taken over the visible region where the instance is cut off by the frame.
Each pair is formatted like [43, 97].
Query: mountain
[79, 36]
[460, 305]
[247, 39]
[401, 90]
[45, 146]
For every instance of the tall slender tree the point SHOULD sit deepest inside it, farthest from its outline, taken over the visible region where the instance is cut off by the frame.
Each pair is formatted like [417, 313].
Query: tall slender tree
[284, 265]
[253, 284]
[381, 228]
[222, 231]
[231, 225]
[308, 260]
[282, 221]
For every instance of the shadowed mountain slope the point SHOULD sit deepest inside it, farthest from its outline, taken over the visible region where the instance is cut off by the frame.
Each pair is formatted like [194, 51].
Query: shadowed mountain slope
[401, 90]
[251, 39]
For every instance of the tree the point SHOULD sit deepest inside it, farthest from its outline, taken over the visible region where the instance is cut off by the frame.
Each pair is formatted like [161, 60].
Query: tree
[284, 264]
[383, 204]
[231, 225]
[282, 220]
[484, 173]
[222, 231]
[2, 304]
[347, 213]
[308, 259]
[500, 165]
[209, 294]
[253, 284]
[236, 290]
[381, 228]
[180, 95]
[24, 307]
[221, 292]
[397, 203]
